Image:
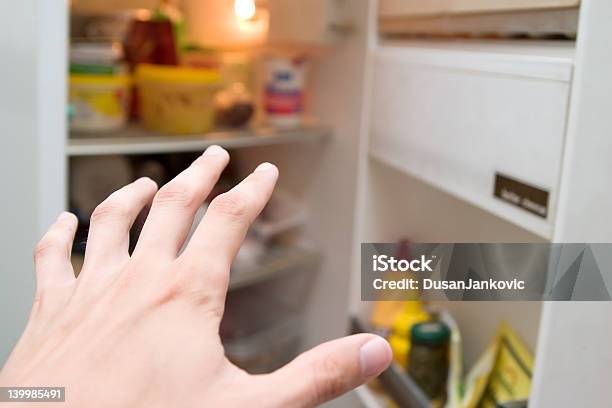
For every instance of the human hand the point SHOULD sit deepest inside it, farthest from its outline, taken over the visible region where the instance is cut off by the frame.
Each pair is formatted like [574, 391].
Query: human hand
[143, 330]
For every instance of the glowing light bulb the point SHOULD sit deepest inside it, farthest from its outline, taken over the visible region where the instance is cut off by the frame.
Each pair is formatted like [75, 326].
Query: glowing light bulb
[244, 9]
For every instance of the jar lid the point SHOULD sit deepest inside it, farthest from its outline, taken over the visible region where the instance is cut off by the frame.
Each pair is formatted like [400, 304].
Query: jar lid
[96, 52]
[432, 332]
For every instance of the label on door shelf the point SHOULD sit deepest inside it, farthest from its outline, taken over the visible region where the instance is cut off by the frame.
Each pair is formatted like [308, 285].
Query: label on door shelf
[522, 195]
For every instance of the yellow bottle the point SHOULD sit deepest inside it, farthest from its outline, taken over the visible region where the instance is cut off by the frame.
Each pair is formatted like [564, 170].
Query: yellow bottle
[399, 340]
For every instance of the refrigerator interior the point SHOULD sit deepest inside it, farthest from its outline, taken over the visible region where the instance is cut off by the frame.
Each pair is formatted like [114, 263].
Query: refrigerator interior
[352, 197]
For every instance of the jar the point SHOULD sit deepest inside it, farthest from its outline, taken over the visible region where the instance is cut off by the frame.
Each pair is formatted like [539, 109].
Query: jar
[428, 358]
[177, 100]
[99, 102]
[284, 91]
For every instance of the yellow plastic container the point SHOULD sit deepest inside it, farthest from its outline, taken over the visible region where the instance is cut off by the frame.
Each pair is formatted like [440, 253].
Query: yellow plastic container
[100, 101]
[177, 100]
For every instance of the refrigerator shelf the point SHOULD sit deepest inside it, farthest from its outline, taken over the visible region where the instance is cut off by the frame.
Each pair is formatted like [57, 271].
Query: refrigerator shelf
[276, 261]
[135, 140]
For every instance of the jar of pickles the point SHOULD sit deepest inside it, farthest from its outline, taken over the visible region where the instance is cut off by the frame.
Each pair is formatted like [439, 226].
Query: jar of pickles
[428, 360]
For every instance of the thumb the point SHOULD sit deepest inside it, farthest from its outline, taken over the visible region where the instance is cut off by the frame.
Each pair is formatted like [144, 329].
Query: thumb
[329, 370]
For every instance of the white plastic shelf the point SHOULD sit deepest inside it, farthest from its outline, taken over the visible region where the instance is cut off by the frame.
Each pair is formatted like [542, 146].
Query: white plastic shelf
[457, 114]
[368, 398]
[277, 261]
[135, 140]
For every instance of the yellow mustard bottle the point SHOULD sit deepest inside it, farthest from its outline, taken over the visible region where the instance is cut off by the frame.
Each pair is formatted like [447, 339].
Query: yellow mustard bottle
[399, 340]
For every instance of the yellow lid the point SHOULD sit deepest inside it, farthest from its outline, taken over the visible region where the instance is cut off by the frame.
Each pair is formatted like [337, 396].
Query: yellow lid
[81, 79]
[174, 74]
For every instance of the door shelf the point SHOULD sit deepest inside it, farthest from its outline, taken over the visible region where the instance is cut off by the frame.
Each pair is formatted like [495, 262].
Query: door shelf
[368, 398]
[483, 109]
[515, 216]
[135, 140]
[275, 262]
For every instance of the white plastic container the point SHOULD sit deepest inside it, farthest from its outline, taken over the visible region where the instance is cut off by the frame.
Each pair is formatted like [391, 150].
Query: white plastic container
[284, 91]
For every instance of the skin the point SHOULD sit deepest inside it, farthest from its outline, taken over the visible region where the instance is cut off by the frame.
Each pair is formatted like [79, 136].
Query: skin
[143, 330]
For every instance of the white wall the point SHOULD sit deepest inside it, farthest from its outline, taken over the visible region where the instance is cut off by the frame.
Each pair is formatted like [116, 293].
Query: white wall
[338, 101]
[32, 105]
[18, 208]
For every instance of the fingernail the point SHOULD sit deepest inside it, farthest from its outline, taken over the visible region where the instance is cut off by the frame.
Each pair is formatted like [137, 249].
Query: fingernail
[213, 150]
[266, 167]
[375, 356]
[64, 215]
[145, 179]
